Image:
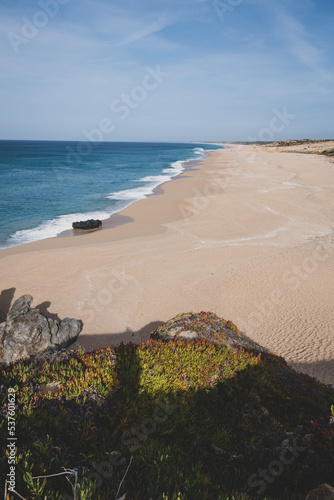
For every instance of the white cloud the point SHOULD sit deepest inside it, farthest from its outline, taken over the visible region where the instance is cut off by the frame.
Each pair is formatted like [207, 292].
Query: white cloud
[144, 31]
[222, 77]
[295, 34]
[298, 40]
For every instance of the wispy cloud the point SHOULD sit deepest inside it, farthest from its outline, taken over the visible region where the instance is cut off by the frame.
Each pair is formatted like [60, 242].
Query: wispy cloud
[144, 31]
[224, 76]
[297, 38]
[126, 25]
[294, 33]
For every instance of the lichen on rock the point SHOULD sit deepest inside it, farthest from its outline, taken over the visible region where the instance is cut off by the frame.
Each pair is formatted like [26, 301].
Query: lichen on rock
[205, 325]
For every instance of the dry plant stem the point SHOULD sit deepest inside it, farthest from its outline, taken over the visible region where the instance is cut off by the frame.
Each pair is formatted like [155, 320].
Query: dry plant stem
[120, 484]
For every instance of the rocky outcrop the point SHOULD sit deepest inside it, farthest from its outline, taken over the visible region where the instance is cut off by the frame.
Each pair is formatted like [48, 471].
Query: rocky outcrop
[27, 332]
[87, 224]
[205, 325]
[324, 492]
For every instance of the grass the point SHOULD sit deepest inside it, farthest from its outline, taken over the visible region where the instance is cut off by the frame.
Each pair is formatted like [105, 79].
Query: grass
[177, 420]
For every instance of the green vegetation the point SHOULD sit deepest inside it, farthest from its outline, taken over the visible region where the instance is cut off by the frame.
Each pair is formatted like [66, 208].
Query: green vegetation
[177, 420]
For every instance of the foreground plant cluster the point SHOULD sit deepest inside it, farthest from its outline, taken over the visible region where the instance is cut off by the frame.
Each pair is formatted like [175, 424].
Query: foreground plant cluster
[175, 420]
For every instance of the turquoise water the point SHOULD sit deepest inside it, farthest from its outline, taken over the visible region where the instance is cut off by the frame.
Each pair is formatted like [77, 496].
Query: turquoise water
[46, 185]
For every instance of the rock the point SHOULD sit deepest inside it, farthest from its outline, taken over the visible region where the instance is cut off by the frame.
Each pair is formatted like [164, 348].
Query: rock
[67, 332]
[323, 492]
[27, 332]
[52, 386]
[20, 306]
[190, 335]
[87, 224]
[205, 325]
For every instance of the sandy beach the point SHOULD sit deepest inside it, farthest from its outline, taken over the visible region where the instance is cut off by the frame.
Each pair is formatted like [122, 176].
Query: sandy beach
[247, 234]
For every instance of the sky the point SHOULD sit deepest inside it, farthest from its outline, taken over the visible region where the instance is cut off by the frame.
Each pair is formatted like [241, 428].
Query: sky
[166, 70]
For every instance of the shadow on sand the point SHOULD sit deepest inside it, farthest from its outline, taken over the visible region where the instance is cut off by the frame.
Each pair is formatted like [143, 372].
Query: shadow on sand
[91, 342]
[6, 298]
[322, 370]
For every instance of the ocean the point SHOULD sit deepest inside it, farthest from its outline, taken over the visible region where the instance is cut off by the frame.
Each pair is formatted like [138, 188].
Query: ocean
[47, 185]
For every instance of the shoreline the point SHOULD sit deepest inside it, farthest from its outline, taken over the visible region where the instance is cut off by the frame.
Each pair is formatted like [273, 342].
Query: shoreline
[247, 235]
[119, 218]
[116, 218]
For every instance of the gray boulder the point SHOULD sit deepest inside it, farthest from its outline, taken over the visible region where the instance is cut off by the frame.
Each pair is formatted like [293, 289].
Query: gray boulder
[27, 332]
[64, 333]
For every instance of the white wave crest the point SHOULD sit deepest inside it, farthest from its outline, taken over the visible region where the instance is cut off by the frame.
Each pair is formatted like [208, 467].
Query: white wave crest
[52, 228]
[152, 181]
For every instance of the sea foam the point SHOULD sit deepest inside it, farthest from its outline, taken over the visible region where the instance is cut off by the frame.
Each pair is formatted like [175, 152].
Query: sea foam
[152, 181]
[51, 228]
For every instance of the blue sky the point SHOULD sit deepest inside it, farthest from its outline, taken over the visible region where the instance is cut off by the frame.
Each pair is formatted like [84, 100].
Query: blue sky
[191, 70]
